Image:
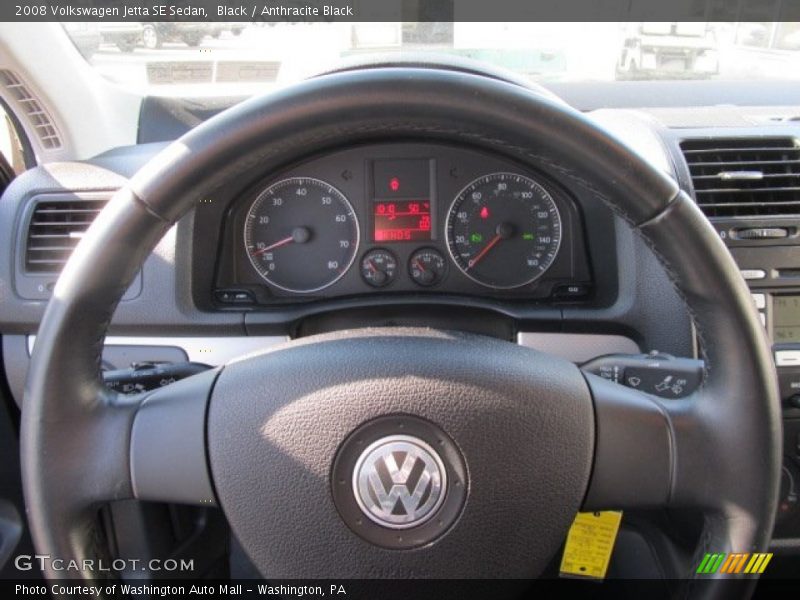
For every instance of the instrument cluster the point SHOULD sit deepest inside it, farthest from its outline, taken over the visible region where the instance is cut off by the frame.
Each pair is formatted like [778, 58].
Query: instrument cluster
[402, 219]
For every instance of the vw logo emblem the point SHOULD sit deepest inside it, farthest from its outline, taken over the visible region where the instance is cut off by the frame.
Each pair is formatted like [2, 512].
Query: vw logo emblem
[399, 481]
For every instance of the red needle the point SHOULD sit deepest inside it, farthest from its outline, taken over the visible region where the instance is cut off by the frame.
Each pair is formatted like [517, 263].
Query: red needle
[278, 244]
[483, 252]
[419, 265]
[371, 266]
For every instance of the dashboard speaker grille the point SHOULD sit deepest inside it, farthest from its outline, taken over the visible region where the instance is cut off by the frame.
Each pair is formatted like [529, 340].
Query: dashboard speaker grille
[37, 116]
[56, 226]
[745, 176]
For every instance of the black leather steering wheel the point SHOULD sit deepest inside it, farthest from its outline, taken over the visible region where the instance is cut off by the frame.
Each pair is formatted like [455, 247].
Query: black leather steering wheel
[537, 439]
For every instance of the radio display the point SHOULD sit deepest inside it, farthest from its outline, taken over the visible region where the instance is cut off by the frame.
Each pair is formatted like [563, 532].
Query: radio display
[402, 220]
[786, 319]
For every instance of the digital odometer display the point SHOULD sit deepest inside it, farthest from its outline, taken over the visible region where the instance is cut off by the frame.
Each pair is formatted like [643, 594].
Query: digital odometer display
[504, 230]
[786, 319]
[402, 221]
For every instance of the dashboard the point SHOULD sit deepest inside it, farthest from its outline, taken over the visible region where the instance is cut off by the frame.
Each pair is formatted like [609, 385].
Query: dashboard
[403, 232]
[396, 220]
[423, 234]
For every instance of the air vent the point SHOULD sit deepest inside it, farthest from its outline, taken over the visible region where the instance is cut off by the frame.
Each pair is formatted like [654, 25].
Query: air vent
[745, 177]
[56, 226]
[37, 116]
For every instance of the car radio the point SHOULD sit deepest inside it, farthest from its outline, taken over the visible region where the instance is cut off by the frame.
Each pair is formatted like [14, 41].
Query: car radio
[781, 315]
[766, 252]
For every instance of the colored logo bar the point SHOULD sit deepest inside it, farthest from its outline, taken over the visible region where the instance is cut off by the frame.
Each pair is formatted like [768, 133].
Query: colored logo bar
[734, 563]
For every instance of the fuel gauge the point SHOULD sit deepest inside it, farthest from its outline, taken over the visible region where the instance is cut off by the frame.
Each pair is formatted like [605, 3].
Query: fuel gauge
[378, 267]
[427, 267]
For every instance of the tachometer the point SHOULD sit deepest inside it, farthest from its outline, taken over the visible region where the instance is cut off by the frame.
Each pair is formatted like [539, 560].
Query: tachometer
[504, 230]
[301, 234]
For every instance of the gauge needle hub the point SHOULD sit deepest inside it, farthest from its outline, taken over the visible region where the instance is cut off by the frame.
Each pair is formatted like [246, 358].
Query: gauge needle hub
[300, 235]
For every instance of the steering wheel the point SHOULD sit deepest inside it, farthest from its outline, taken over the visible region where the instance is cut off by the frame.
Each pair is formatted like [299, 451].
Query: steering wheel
[498, 445]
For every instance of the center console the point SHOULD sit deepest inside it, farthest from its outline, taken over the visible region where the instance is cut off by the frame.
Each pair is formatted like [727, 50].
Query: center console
[770, 265]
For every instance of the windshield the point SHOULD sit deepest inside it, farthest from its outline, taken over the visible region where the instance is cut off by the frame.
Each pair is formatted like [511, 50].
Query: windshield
[182, 58]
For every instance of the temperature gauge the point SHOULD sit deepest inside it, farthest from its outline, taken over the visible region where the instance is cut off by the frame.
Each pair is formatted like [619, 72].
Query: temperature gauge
[427, 267]
[378, 267]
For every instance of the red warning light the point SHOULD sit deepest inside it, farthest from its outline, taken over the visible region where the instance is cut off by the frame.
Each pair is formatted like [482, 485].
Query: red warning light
[394, 184]
[485, 212]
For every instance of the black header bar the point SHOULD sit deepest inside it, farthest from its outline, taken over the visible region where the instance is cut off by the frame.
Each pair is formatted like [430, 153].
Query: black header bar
[400, 10]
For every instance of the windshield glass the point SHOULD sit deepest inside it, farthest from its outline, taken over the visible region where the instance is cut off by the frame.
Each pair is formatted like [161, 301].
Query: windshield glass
[182, 58]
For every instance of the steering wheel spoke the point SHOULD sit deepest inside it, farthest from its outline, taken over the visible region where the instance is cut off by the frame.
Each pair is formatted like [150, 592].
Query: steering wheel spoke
[651, 452]
[168, 459]
[89, 477]
[634, 462]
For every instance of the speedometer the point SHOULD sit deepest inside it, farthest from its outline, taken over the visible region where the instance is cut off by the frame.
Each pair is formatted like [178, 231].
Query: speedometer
[504, 230]
[301, 234]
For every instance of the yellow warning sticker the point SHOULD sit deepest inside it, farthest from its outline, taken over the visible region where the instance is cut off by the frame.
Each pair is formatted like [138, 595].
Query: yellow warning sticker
[589, 544]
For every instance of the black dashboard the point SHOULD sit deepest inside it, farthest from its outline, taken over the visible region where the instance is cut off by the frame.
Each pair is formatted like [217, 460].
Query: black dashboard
[408, 233]
[394, 220]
